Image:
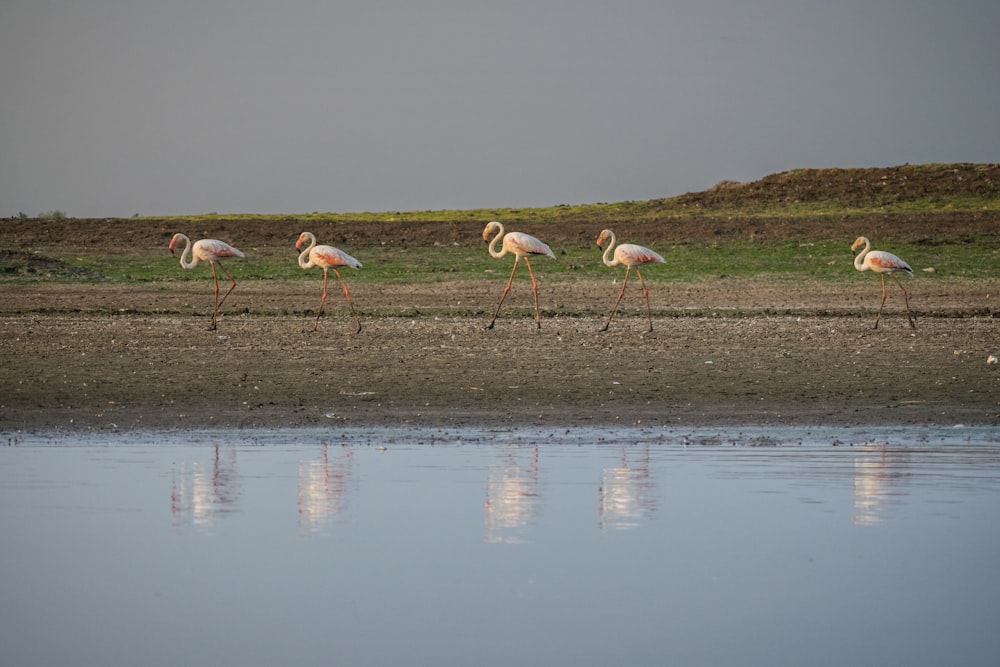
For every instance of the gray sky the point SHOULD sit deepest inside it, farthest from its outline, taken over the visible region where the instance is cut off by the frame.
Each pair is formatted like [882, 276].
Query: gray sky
[118, 107]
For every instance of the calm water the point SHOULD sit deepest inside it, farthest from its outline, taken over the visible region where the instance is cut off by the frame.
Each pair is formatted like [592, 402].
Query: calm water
[621, 546]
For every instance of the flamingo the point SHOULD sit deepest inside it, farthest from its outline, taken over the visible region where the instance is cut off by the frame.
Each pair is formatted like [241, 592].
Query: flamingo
[326, 257]
[521, 245]
[211, 251]
[631, 256]
[882, 262]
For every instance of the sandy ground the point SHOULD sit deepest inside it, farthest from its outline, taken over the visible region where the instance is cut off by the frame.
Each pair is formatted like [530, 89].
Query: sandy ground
[82, 356]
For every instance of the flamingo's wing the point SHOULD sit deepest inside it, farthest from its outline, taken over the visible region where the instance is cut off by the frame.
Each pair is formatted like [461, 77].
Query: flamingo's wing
[886, 261]
[636, 254]
[525, 244]
[209, 249]
[331, 256]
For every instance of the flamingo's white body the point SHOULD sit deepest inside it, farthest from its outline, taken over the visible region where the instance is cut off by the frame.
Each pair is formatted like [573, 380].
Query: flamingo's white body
[632, 256]
[882, 262]
[521, 245]
[326, 257]
[211, 251]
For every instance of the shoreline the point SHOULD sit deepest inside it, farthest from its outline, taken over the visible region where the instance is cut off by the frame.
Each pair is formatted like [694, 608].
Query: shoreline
[77, 373]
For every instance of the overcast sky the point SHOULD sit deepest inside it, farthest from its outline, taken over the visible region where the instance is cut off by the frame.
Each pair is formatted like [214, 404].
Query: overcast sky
[156, 107]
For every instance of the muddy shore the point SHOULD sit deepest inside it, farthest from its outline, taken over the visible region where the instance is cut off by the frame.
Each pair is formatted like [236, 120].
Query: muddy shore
[132, 370]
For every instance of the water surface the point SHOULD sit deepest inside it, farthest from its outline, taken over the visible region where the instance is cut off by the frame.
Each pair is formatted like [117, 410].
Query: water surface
[493, 547]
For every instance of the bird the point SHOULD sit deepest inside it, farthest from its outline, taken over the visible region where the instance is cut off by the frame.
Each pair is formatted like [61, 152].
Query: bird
[521, 245]
[326, 257]
[211, 251]
[882, 262]
[632, 256]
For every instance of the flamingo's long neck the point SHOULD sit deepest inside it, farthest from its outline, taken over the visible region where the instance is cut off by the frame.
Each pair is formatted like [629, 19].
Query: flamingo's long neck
[304, 261]
[496, 239]
[859, 259]
[193, 262]
[607, 251]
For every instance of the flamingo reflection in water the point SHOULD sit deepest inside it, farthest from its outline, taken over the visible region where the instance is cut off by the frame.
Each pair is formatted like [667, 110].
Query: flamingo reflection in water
[874, 479]
[511, 497]
[626, 493]
[200, 493]
[323, 486]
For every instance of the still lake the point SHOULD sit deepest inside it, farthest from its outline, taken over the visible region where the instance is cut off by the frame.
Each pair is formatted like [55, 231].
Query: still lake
[523, 546]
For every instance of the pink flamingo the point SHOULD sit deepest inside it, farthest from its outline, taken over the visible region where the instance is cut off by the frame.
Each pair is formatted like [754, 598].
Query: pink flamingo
[326, 257]
[631, 256]
[211, 251]
[521, 245]
[882, 262]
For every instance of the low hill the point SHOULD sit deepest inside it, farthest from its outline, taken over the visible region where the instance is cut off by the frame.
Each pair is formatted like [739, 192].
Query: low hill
[933, 203]
[853, 188]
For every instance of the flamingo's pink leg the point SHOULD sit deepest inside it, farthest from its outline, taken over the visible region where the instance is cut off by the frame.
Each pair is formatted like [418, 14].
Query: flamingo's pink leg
[322, 301]
[347, 293]
[504, 295]
[882, 305]
[218, 303]
[906, 299]
[534, 287]
[620, 295]
[645, 292]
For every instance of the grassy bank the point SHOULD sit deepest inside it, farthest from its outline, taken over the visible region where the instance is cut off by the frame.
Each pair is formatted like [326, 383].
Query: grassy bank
[944, 219]
[828, 259]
